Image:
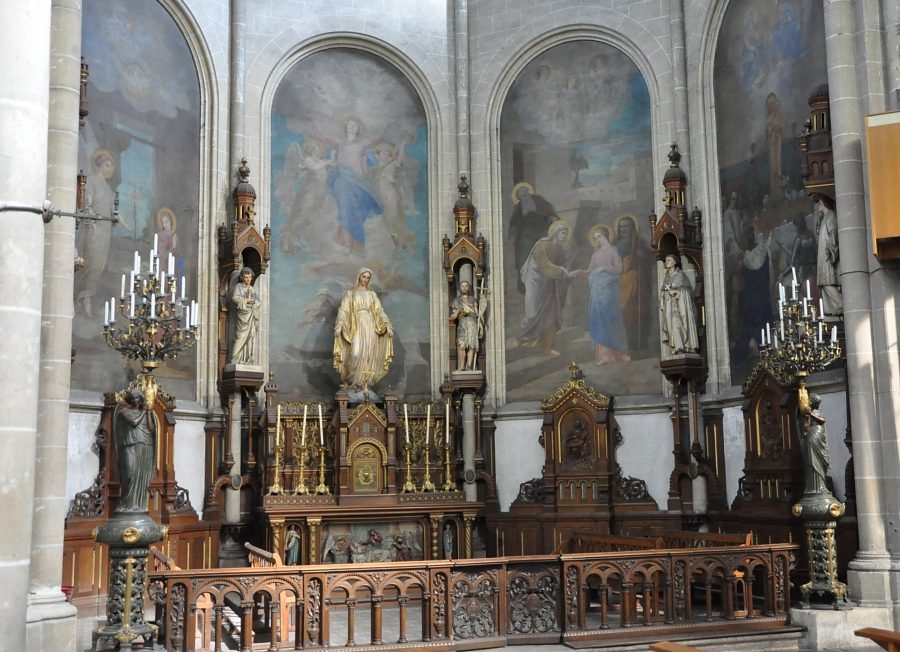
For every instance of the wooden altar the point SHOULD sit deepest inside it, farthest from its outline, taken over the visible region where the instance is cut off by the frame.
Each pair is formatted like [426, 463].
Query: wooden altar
[583, 489]
[363, 481]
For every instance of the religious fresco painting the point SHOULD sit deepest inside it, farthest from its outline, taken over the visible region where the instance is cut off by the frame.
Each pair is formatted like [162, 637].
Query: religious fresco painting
[141, 139]
[350, 190]
[580, 277]
[770, 57]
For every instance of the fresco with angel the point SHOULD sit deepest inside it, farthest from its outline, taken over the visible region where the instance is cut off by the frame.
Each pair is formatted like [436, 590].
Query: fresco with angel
[350, 190]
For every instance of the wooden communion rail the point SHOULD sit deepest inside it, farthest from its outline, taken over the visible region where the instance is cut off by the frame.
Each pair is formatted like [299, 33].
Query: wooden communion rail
[627, 595]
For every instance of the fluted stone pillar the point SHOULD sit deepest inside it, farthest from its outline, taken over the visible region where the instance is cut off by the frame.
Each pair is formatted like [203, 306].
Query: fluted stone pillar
[25, 53]
[237, 74]
[868, 577]
[468, 447]
[51, 620]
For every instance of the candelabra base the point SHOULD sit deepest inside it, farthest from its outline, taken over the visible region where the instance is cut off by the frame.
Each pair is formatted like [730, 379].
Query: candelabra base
[428, 486]
[820, 512]
[409, 487]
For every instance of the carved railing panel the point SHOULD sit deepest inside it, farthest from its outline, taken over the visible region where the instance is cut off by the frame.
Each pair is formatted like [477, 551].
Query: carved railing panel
[467, 604]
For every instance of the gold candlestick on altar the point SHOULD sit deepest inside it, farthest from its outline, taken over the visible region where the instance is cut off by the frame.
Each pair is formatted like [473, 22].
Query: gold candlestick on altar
[300, 486]
[321, 488]
[449, 485]
[426, 483]
[408, 487]
[276, 489]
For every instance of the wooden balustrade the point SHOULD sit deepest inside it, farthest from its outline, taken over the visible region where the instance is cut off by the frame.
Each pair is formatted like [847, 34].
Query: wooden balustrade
[483, 603]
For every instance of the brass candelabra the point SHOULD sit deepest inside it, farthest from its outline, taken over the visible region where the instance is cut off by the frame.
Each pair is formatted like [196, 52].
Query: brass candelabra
[796, 346]
[159, 322]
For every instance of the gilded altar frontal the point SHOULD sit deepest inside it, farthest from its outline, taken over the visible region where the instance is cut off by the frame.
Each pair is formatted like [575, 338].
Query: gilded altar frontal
[452, 324]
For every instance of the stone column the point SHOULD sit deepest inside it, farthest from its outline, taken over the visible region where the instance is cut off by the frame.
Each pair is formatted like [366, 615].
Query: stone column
[24, 105]
[50, 619]
[232, 495]
[468, 446]
[867, 577]
[891, 25]
[679, 83]
[237, 77]
[461, 31]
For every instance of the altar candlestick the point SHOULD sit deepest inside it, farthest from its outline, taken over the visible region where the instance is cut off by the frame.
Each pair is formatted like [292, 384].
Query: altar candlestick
[303, 430]
[321, 427]
[406, 420]
[447, 421]
[427, 423]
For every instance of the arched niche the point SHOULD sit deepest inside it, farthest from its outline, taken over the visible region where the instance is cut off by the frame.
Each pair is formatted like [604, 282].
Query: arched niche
[145, 104]
[350, 188]
[576, 145]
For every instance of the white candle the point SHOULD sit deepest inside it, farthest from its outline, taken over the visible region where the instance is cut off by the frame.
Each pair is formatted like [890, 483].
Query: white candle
[186, 317]
[834, 334]
[152, 259]
[794, 275]
[321, 427]
[278, 425]
[762, 336]
[303, 430]
[427, 423]
[171, 264]
[808, 293]
[182, 288]
[820, 332]
[780, 311]
[152, 306]
[794, 290]
[155, 241]
[106, 313]
[406, 420]
[782, 329]
[768, 333]
[132, 305]
[447, 420]
[781, 291]
[805, 308]
[137, 263]
[776, 341]
[821, 309]
[112, 310]
[195, 313]
[122, 293]
[162, 280]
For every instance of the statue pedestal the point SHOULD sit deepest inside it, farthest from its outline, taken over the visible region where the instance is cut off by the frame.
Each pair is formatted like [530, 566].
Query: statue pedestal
[128, 536]
[830, 629]
[820, 512]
